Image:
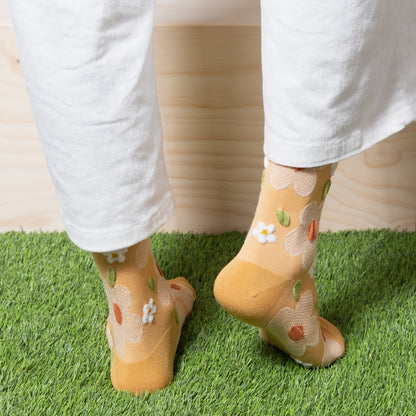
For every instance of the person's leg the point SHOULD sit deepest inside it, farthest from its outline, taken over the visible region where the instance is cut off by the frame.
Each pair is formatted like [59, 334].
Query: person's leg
[146, 314]
[330, 72]
[89, 72]
[270, 283]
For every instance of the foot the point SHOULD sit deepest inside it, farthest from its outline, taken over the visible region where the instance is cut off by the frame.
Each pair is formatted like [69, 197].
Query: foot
[270, 284]
[146, 314]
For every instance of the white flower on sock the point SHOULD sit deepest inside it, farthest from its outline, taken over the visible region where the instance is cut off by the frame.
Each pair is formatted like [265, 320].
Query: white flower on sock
[304, 239]
[304, 180]
[117, 255]
[124, 326]
[143, 252]
[148, 311]
[296, 329]
[311, 270]
[264, 233]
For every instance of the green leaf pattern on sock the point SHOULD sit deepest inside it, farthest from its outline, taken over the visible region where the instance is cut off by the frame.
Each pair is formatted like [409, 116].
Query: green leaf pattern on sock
[262, 178]
[151, 284]
[283, 217]
[326, 189]
[296, 290]
[111, 276]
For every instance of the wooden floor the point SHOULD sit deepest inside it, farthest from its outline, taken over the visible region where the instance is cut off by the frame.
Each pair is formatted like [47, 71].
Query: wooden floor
[209, 81]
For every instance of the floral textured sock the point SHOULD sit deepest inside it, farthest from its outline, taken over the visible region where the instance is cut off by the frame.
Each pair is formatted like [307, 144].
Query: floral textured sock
[146, 314]
[270, 283]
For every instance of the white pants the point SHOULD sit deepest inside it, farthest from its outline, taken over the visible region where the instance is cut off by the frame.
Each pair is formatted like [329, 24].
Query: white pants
[338, 76]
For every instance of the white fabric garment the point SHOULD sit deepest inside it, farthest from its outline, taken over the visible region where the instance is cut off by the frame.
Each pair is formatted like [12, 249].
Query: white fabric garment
[338, 76]
[88, 69]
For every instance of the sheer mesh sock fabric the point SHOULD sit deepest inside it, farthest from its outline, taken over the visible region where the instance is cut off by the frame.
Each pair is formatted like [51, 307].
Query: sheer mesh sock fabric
[146, 314]
[270, 283]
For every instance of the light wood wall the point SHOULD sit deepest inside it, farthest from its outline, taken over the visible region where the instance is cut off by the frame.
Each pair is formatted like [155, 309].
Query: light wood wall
[209, 81]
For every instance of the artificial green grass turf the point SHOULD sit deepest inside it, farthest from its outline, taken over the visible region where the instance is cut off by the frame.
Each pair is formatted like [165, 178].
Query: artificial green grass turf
[54, 359]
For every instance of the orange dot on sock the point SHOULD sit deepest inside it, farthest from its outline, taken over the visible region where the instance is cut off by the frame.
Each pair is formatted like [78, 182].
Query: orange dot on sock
[117, 313]
[296, 333]
[313, 230]
[175, 286]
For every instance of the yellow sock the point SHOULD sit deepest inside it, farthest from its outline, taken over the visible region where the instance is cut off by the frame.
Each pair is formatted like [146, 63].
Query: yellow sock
[146, 314]
[270, 284]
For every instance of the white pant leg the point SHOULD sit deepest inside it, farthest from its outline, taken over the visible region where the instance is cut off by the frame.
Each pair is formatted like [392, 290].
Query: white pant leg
[338, 76]
[89, 72]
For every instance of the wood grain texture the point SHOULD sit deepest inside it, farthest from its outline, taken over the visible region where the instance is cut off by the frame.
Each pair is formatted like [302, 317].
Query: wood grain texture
[376, 188]
[27, 198]
[213, 123]
[209, 82]
[207, 12]
[5, 18]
